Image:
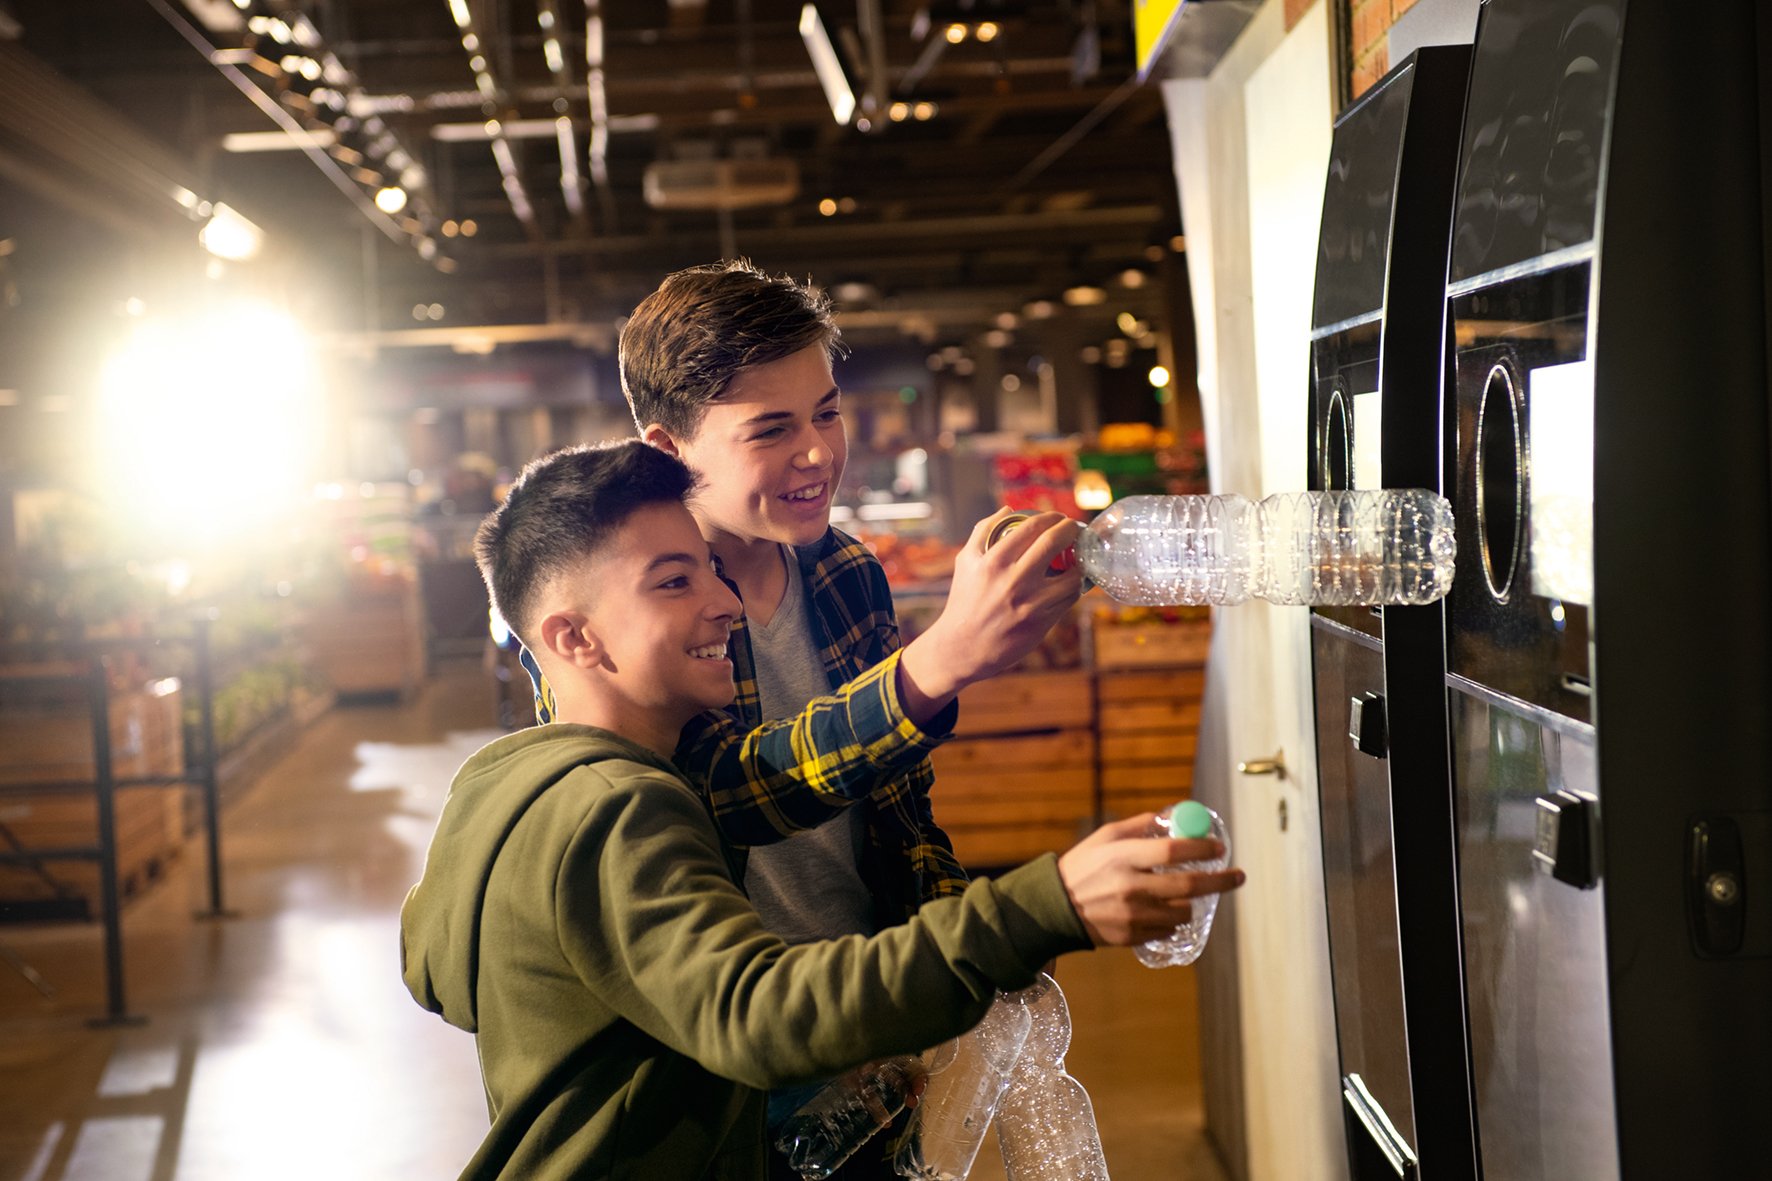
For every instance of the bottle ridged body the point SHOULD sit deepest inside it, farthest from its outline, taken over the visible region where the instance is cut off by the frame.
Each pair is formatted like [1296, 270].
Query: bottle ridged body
[951, 1118]
[845, 1114]
[1394, 546]
[1189, 939]
[1158, 550]
[1358, 547]
[1046, 1124]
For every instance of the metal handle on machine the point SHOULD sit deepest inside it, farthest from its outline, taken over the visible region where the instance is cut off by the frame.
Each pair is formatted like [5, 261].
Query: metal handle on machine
[1378, 1125]
[1275, 766]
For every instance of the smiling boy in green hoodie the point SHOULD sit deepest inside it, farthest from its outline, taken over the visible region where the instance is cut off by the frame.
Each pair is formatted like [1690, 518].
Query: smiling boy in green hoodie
[579, 911]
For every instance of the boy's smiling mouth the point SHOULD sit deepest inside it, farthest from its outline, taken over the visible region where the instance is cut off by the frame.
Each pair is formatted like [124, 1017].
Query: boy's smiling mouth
[709, 652]
[810, 492]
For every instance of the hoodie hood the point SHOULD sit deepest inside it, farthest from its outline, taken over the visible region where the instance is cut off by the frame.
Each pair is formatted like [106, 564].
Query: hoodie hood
[440, 920]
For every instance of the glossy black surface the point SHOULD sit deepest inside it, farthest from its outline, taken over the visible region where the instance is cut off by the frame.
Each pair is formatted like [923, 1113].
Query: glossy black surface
[1534, 131]
[1358, 196]
[1535, 956]
[1359, 882]
[1344, 366]
[1387, 825]
[1502, 635]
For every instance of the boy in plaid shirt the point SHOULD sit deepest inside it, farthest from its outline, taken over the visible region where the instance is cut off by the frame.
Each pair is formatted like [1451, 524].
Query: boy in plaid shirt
[729, 369]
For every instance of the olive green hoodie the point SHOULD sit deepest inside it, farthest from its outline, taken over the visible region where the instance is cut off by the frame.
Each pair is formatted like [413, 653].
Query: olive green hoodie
[577, 913]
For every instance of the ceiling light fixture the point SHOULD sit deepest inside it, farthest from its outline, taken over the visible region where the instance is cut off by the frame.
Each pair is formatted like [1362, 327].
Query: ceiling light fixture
[827, 63]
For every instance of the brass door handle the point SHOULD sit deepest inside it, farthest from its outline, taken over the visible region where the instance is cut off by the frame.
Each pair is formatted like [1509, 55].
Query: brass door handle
[1275, 766]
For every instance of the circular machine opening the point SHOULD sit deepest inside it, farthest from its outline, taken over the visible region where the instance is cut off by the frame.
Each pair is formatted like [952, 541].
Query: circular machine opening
[1500, 481]
[1338, 453]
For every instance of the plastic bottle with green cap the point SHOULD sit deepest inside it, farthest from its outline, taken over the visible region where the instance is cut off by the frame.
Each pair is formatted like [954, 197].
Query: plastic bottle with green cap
[1190, 819]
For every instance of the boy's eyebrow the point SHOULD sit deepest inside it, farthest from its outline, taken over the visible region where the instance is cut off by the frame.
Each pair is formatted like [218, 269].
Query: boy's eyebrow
[831, 395]
[673, 559]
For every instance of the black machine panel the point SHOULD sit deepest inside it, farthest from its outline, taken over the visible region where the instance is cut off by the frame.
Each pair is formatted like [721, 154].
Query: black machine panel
[1523, 410]
[1609, 644]
[1358, 195]
[1359, 872]
[1388, 832]
[1534, 132]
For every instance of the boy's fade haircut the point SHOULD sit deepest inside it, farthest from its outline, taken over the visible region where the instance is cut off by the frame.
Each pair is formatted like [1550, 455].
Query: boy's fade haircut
[561, 509]
[687, 340]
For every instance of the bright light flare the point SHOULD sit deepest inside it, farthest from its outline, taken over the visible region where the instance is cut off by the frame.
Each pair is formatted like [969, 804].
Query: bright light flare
[207, 424]
[231, 235]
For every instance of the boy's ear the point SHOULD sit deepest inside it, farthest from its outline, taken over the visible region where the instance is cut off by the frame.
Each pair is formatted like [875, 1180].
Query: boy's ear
[568, 636]
[657, 436]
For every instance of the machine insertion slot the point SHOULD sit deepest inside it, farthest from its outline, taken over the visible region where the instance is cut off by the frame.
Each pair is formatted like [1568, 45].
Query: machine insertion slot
[1501, 477]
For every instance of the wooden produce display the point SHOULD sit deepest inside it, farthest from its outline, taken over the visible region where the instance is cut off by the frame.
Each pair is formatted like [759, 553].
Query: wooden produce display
[1150, 677]
[1018, 779]
[53, 743]
[370, 641]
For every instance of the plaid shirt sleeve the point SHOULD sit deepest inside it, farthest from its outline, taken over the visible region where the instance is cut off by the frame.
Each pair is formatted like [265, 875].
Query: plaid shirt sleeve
[855, 600]
[776, 779]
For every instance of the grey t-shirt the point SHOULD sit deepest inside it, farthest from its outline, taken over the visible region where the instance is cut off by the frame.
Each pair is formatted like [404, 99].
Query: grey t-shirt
[809, 886]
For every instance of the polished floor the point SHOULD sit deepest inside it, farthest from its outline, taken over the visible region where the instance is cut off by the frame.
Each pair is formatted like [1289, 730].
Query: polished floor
[279, 1043]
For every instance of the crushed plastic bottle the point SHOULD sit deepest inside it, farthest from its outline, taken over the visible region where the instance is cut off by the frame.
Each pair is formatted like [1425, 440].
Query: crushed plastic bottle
[846, 1113]
[1190, 818]
[949, 1123]
[1046, 1124]
[1357, 547]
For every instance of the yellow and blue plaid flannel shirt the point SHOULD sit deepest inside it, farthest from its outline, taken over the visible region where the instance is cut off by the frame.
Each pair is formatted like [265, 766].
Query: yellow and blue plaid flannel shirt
[764, 781]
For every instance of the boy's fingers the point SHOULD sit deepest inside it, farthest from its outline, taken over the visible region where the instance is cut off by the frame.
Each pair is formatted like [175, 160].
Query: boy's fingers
[1050, 535]
[1120, 830]
[1140, 850]
[1217, 883]
[982, 530]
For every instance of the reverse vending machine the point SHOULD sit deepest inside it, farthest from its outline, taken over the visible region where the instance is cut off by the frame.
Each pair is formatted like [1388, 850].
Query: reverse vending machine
[1386, 803]
[1609, 659]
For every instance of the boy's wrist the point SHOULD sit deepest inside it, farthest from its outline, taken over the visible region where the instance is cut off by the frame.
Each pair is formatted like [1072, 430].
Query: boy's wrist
[927, 677]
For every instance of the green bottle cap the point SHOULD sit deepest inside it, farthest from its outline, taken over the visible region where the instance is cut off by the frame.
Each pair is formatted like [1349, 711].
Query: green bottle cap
[1190, 818]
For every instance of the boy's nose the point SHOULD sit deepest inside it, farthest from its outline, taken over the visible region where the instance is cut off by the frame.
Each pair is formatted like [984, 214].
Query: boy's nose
[723, 604]
[816, 453]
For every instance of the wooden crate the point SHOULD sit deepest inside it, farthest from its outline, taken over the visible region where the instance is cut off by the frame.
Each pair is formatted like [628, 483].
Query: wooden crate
[1151, 644]
[1021, 702]
[55, 745]
[1020, 781]
[53, 742]
[370, 643]
[1150, 721]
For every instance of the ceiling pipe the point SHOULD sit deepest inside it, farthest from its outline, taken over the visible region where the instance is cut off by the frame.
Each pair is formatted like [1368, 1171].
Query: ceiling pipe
[572, 183]
[487, 84]
[598, 100]
[298, 134]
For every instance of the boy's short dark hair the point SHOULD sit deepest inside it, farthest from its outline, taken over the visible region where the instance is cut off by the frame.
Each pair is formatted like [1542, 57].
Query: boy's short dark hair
[686, 341]
[563, 507]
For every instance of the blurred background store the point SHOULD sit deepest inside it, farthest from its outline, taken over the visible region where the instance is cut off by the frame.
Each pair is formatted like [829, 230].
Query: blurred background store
[291, 289]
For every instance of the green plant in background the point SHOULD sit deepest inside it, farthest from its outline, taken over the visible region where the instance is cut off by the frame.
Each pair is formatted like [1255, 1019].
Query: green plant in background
[71, 581]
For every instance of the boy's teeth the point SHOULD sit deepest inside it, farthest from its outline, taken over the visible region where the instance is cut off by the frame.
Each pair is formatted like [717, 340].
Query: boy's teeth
[806, 493]
[712, 652]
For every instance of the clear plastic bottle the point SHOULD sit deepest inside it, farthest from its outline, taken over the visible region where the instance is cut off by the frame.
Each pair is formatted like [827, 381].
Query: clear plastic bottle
[1368, 547]
[1046, 1124]
[948, 1126]
[846, 1113]
[1190, 818]
[1161, 550]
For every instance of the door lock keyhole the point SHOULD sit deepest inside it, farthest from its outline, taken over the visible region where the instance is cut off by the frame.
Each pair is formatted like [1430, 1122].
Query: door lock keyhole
[1284, 816]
